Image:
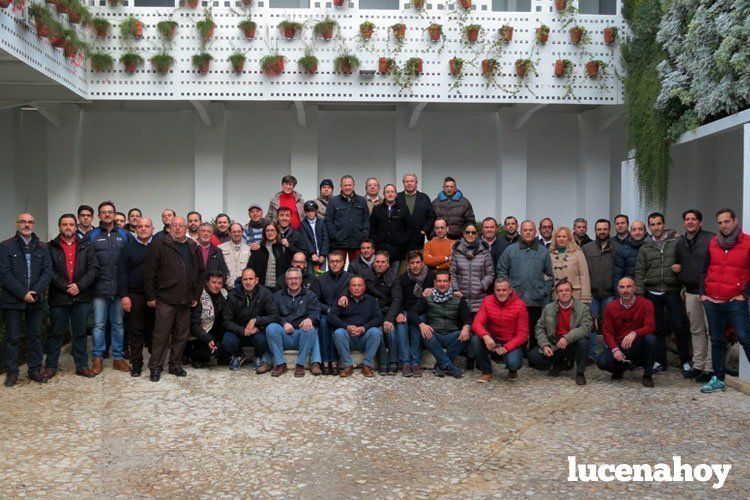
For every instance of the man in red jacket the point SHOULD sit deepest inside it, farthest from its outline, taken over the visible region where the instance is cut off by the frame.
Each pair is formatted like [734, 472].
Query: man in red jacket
[628, 330]
[502, 328]
[724, 288]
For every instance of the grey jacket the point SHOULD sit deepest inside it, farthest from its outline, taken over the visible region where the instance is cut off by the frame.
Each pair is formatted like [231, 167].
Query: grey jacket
[472, 277]
[529, 269]
[601, 262]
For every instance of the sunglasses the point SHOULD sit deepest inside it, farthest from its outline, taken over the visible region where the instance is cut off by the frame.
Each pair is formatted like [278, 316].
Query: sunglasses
[470, 232]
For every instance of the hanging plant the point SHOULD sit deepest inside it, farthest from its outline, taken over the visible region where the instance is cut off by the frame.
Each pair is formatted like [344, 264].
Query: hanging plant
[365, 31]
[237, 60]
[506, 33]
[472, 32]
[247, 3]
[560, 5]
[523, 67]
[77, 12]
[456, 65]
[272, 65]
[399, 31]
[308, 63]
[167, 29]
[435, 31]
[489, 71]
[73, 46]
[339, 3]
[595, 68]
[101, 26]
[131, 60]
[610, 35]
[413, 66]
[101, 62]
[162, 63]
[193, 4]
[576, 34]
[131, 29]
[542, 34]
[206, 26]
[325, 28]
[386, 65]
[465, 4]
[57, 34]
[289, 29]
[42, 19]
[346, 63]
[113, 3]
[563, 67]
[248, 28]
[418, 5]
[202, 62]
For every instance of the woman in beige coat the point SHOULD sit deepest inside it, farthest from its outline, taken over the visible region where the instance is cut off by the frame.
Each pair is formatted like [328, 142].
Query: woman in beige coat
[568, 262]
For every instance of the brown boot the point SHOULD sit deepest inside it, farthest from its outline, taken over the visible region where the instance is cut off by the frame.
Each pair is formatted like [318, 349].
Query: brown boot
[367, 371]
[346, 372]
[315, 369]
[97, 366]
[265, 368]
[299, 371]
[49, 373]
[121, 365]
[279, 370]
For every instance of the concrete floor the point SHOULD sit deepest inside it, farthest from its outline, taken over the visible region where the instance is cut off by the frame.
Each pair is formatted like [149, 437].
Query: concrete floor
[222, 434]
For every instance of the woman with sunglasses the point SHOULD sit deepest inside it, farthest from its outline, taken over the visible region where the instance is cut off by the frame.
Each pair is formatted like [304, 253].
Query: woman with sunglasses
[569, 263]
[272, 259]
[471, 269]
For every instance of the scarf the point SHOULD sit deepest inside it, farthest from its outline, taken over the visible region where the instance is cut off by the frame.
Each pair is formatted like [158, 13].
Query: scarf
[442, 298]
[366, 261]
[727, 242]
[470, 249]
[418, 280]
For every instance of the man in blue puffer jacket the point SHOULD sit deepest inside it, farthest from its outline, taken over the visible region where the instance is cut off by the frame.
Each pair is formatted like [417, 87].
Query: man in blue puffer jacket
[452, 206]
[107, 240]
[627, 252]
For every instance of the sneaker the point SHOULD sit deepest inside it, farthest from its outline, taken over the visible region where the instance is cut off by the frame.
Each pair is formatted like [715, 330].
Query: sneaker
[256, 363]
[714, 385]
[455, 371]
[236, 362]
[439, 372]
[703, 378]
[416, 370]
[392, 369]
[382, 369]
[659, 368]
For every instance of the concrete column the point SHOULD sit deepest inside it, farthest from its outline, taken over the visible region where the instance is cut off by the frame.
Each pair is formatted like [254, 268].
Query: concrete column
[64, 175]
[304, 153]
[512, 168]
[408, 146]
[209, 144]
[593, 170]
[744, 364]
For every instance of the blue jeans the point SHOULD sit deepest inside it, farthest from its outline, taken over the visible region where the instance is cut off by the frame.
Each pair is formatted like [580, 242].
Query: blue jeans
[325, 341]
[643, 350]
[719, 317]
[75, 317]
[13, 319]
[233, 343]
[304, 342]
[409, 340]
[368, 343]
[107, 309]
[444, 346]
[597, 307]
[513, 359]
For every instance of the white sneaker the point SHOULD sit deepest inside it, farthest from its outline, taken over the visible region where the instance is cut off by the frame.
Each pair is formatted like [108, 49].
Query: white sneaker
[658, 368]
[686, 366]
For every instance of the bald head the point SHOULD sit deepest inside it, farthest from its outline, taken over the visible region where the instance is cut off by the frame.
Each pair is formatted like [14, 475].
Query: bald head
[178, 229]
[626, 288]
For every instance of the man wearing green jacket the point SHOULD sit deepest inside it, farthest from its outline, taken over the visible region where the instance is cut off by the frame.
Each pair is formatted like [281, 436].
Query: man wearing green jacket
[562, 334]
[656, 277]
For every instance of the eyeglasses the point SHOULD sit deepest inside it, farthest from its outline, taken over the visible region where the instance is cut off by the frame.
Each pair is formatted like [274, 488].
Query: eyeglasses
[27, 222]
[470, 232]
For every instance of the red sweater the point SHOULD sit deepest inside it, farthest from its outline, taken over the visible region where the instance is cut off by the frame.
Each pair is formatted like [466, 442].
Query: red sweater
[287, 200]
[507, 322]
[619, 322]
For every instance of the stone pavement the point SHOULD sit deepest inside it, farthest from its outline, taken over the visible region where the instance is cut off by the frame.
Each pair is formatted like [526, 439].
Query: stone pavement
[221, 434]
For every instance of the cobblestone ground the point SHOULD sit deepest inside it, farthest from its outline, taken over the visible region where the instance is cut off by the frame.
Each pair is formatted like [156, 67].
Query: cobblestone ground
[221, 434]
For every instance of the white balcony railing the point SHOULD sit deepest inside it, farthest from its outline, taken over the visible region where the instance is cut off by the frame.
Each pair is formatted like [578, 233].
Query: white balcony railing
[434, 84]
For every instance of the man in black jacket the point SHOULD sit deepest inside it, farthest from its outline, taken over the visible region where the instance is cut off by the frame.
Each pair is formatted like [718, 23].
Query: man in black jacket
[172, 281]
[290, 238]
[25, 274]
[73, 273]
[330, 287]
[140, 317]
[206, 318]
[357, 326]
[362, 264]
[386, 288]
[692, 252]
[415, 283]
[421, 214]
[315, 236]
[250, 310]
[299, 261]
[347, 219]
[389, 228]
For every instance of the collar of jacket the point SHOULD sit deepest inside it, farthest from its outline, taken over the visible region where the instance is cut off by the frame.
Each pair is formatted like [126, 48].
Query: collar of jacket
[33, 240]
[534, 245]
[301, 291]
[81, 244]
[511, 298]
[456, 196]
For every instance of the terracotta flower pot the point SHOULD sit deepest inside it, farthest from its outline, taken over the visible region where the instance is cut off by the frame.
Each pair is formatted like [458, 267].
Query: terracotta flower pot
[346, 68]
[57, 41]
[366, 33]
[472, 35]
[138, 30]
[238, 67]
[339, 3]
[455, 67]
[435, 34]
[521, 70]
[96, 68]
[203, 67]
[465, 4]
[101, 31]
[487, 67]
[327, 34]
[561, 4]
[290, 32]
[208, 36]
[131, 67]
[274, 68]
[542, 36]
[192, 3]
[507, 34]
[384, 66]
[74, 17]
[42, 30]
[311, 70]
[592, 69]
[559, 68]
[609, 36]
[247, 3]
[400, 32]
[61, 9]
[69, 51]
[576, 35]
[250, 32]
[418, 4]
[418, 67]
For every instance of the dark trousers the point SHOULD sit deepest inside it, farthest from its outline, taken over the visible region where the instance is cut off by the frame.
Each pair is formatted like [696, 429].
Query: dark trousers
[513, 359]
[73, 317]
[388, 350]
[140, 325]
[233, 343]
[720, 317]
[643, 350]
[197, 351]
[670, 315]
[170, 332]
[13, 320]
[577, 351]
[534, 314]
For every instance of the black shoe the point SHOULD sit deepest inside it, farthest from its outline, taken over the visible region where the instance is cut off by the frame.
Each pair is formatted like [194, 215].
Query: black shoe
[136, 369]
[178, 372]
[382, 369]
[198, 365]
[11, 379]
[580, 379]
[691, 373]
[38, 376]
[554, 370]
[648, 381]
[469, 364]
[155, 375]
[439, 372]
[392, 369]
[703, 378]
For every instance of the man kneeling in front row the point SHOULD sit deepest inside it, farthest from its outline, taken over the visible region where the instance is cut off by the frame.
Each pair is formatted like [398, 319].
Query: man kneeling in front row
[562, 334]
[628, 330]
[357, 326]
[446, 327]
[299, 310]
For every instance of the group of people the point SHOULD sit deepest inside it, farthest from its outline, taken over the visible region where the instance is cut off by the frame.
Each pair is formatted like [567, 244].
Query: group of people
[421, 274]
